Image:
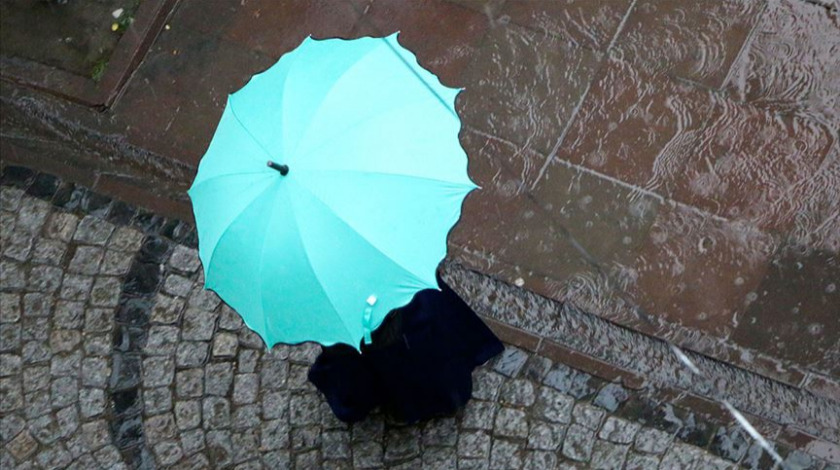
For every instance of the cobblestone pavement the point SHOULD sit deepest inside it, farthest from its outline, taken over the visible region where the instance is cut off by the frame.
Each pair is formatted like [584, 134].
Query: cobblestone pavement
[114, 356]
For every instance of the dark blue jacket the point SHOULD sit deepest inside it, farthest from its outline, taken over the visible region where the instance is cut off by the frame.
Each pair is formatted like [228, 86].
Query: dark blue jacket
[418, 365]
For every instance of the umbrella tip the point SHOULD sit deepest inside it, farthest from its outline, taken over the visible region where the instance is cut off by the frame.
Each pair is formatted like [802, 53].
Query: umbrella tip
[283, 169]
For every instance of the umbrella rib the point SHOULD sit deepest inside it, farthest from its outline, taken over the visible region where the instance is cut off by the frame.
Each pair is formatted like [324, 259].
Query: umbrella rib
[235, 219]
[382, 114]
[394, 175]
[359, 123]
[419, 77]
[225, 175]
[331, 92]
[312, 266]
[347, 224]
[262, 266]
[248, 131]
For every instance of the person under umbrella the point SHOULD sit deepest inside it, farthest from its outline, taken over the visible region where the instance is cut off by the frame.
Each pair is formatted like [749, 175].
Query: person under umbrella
[418, 366]
[323, 203]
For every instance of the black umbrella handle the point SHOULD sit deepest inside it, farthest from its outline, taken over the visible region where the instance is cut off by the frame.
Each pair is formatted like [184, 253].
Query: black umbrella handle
[283, 169]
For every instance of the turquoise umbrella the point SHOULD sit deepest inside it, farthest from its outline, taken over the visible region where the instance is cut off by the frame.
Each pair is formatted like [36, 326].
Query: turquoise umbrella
[326, 195]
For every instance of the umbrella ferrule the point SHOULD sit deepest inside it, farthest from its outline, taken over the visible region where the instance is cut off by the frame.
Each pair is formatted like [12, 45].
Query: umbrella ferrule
[283, 169]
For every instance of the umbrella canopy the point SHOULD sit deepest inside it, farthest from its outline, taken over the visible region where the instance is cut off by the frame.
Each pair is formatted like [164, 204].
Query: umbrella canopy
[326, 195]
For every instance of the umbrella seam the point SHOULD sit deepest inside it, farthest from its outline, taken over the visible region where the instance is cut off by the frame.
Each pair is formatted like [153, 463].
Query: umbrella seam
[397, 175]
[400, 107]
[344, 131]
[419, 77]
[235, 219]
[327, 95]
[191, 193]
[377, 249]
[283, 118]
[224, 175]
[312, 266]
[408, 65]
[262, 265]
[247, 131]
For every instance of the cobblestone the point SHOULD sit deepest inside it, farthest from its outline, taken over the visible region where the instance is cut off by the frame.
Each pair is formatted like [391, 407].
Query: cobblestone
[555, 406]
[198, 325]
[587, 416]
[225, 345]
[188, 386]
[570, 381]
[37, 305]
[619, 431]
[42, 279]
[246, 388]
[9, 308]
[76, 287]
[158, 371]
[191, 354]
[606, 455]
[505, 454]
[218, 378]
[116, 263]
[157, 400]
[36, 378]
[511, 423]
[578, 443]
[440, 432]
[166, 310]
[177, 285]
[652, 441]
[91, 402]
[510, 362]
[126, 239]
[105, 292]
[61, 226]
[93, 230]
[731, 443]
[184, 259]
[518, 392]
[49, 251]
[546, 436]
[641, 462]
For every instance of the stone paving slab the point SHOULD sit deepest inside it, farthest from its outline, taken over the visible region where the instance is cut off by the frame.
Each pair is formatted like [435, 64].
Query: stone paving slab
[114, 356]
[696, 41]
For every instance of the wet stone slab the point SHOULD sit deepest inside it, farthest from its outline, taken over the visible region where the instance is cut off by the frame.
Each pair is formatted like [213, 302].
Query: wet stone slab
[804, 290]
[182, 71]
[697, 148]
[783, 67]
[523, 86]
[444, 36]
[697, 41]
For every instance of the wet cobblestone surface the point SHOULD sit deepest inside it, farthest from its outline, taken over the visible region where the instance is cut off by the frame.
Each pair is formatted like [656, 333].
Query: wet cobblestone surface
[114, 356]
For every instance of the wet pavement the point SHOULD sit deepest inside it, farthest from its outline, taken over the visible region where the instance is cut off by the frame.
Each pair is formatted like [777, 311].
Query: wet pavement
[670, 167]
[114, 356]
[666, 166]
